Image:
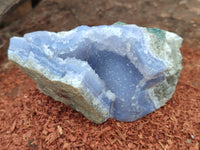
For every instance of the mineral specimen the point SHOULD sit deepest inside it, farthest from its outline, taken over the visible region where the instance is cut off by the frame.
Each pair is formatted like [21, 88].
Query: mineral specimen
[118, 71]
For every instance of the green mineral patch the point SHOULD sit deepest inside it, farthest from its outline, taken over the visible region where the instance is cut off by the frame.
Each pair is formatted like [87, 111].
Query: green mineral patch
[160, 35]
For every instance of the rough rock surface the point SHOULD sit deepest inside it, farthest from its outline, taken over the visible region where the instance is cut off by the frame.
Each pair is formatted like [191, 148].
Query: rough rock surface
[117, 71]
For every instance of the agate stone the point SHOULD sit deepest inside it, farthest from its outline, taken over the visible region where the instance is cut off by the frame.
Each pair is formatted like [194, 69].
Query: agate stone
[118, 71]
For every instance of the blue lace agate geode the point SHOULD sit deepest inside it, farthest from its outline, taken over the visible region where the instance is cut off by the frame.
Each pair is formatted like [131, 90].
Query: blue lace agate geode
[115, 71]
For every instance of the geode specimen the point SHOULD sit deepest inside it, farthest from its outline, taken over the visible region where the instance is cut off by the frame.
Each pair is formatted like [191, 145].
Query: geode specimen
[115, 71]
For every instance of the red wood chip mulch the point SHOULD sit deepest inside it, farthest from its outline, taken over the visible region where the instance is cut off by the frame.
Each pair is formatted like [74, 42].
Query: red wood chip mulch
[31, 120]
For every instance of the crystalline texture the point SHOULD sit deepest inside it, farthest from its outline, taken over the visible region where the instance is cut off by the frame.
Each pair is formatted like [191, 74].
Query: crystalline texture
[118, 71]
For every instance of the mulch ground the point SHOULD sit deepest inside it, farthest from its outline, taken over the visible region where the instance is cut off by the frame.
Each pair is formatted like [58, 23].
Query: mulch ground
[31, 120]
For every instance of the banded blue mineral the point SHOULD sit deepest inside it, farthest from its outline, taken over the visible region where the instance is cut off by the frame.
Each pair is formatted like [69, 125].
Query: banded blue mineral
[118, 71]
